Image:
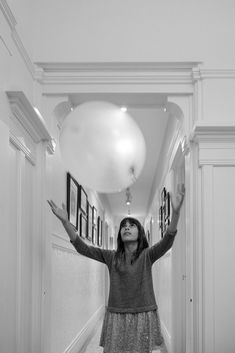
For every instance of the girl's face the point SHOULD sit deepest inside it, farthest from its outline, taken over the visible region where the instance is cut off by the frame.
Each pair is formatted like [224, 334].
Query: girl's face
[129, 232]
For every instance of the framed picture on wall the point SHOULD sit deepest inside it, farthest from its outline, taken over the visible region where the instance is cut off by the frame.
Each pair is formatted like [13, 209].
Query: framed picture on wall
[72, 200]
[98, 230]
[163, 196]
[94, 216]
[164, 211]
[167, 204]
[89, 222]
[83, 225]
[83, 200]
[94, 235]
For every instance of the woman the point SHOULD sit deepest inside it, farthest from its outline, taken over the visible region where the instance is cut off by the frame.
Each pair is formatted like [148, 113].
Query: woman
[131, 323]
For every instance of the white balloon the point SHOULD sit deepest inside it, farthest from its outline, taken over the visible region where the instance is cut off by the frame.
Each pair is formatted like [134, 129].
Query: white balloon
[102, 147]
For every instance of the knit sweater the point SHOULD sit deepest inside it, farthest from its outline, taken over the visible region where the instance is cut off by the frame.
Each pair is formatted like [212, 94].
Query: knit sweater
[131, 286]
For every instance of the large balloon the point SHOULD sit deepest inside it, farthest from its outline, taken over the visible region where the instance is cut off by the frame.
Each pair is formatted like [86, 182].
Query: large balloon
[102, 147]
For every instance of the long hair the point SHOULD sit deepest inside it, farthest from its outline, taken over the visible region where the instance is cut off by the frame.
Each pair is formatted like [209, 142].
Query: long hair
[142, 242]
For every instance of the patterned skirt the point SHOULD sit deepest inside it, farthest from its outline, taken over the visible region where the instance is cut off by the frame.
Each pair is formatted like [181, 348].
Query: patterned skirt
[132, 333]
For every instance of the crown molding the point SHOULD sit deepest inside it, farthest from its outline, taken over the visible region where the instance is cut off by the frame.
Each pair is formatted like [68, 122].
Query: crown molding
[201, 74]
[16, 38]
[32, 122]
[115, 72]
[213, 131]
[23, 52]
[216, 143]
[18, 143]
[8, 14]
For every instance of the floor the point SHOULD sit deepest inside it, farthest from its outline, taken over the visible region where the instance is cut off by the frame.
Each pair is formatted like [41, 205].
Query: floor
[93, 346]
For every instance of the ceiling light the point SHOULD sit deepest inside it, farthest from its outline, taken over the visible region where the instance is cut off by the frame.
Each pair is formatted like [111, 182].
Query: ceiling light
[123, 109]
[128, 197]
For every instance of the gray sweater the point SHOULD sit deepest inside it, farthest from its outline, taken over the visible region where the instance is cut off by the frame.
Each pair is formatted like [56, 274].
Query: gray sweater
[131, 285]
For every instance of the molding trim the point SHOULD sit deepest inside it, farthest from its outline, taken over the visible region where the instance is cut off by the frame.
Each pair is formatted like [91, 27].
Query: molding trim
[200, 74]
[15, 36]
[32, 121]
[115, 73]
[213, 131]
[81, 341]
[216, 143]
[8, 14]
[23, 52]
[22, 147]
[167, 336]
[61, 243]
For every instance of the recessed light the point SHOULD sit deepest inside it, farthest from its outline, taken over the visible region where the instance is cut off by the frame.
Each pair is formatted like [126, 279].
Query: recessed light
[123, 109]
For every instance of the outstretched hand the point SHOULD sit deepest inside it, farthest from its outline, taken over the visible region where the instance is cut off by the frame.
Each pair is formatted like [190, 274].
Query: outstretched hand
[177, 198]
[61, 213]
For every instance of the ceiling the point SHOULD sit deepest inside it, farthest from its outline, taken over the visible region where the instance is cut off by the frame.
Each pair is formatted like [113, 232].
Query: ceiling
[148, 112]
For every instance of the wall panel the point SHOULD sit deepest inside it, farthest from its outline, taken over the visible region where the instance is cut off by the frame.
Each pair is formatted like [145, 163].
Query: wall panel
[224, 259]
[77, 293]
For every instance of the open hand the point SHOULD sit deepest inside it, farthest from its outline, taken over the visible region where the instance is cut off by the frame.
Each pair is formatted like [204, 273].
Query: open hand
[177, 198]
[61, 213]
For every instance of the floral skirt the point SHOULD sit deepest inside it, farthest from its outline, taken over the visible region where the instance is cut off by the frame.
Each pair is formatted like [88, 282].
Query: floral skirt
[132, 333]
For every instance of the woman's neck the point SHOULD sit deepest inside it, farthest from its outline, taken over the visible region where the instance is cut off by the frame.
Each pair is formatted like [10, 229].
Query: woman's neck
[130, 247]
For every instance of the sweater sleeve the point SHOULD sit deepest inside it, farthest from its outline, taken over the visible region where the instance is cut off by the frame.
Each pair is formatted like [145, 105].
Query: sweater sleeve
[93, 252]
[160, 248]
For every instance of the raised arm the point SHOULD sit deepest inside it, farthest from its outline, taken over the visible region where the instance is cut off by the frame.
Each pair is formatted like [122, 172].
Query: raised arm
[176, 203]
[159, 249]
[82, 248]
[62, 215]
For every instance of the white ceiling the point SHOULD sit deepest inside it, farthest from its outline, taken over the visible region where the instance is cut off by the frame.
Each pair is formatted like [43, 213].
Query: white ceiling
[147, 111]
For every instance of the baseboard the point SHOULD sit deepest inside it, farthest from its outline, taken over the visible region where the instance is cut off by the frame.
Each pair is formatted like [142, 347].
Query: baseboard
[167, 337]
[79, 344]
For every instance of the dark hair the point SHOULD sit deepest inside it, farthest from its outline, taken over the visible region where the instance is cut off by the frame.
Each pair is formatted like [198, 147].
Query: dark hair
[142, 242]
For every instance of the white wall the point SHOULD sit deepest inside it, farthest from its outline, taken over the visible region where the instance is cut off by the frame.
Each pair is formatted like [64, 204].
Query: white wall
[223, 258]
[76, 284]
[68, 295]
[14, 75]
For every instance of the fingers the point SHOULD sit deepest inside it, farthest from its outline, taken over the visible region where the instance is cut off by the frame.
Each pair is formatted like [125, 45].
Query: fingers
[52, 204]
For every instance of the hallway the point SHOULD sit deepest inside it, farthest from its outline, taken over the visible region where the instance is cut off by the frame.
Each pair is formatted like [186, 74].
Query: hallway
[173, 81]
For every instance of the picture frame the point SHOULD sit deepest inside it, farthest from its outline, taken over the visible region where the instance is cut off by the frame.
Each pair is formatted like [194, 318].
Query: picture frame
[83, 225]
[160, 217]
[89, 221]
[168, 208]
[94, 216]
[83, 200]
[99, 231]
[94, 234]
[72, 200]
[163, 196]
